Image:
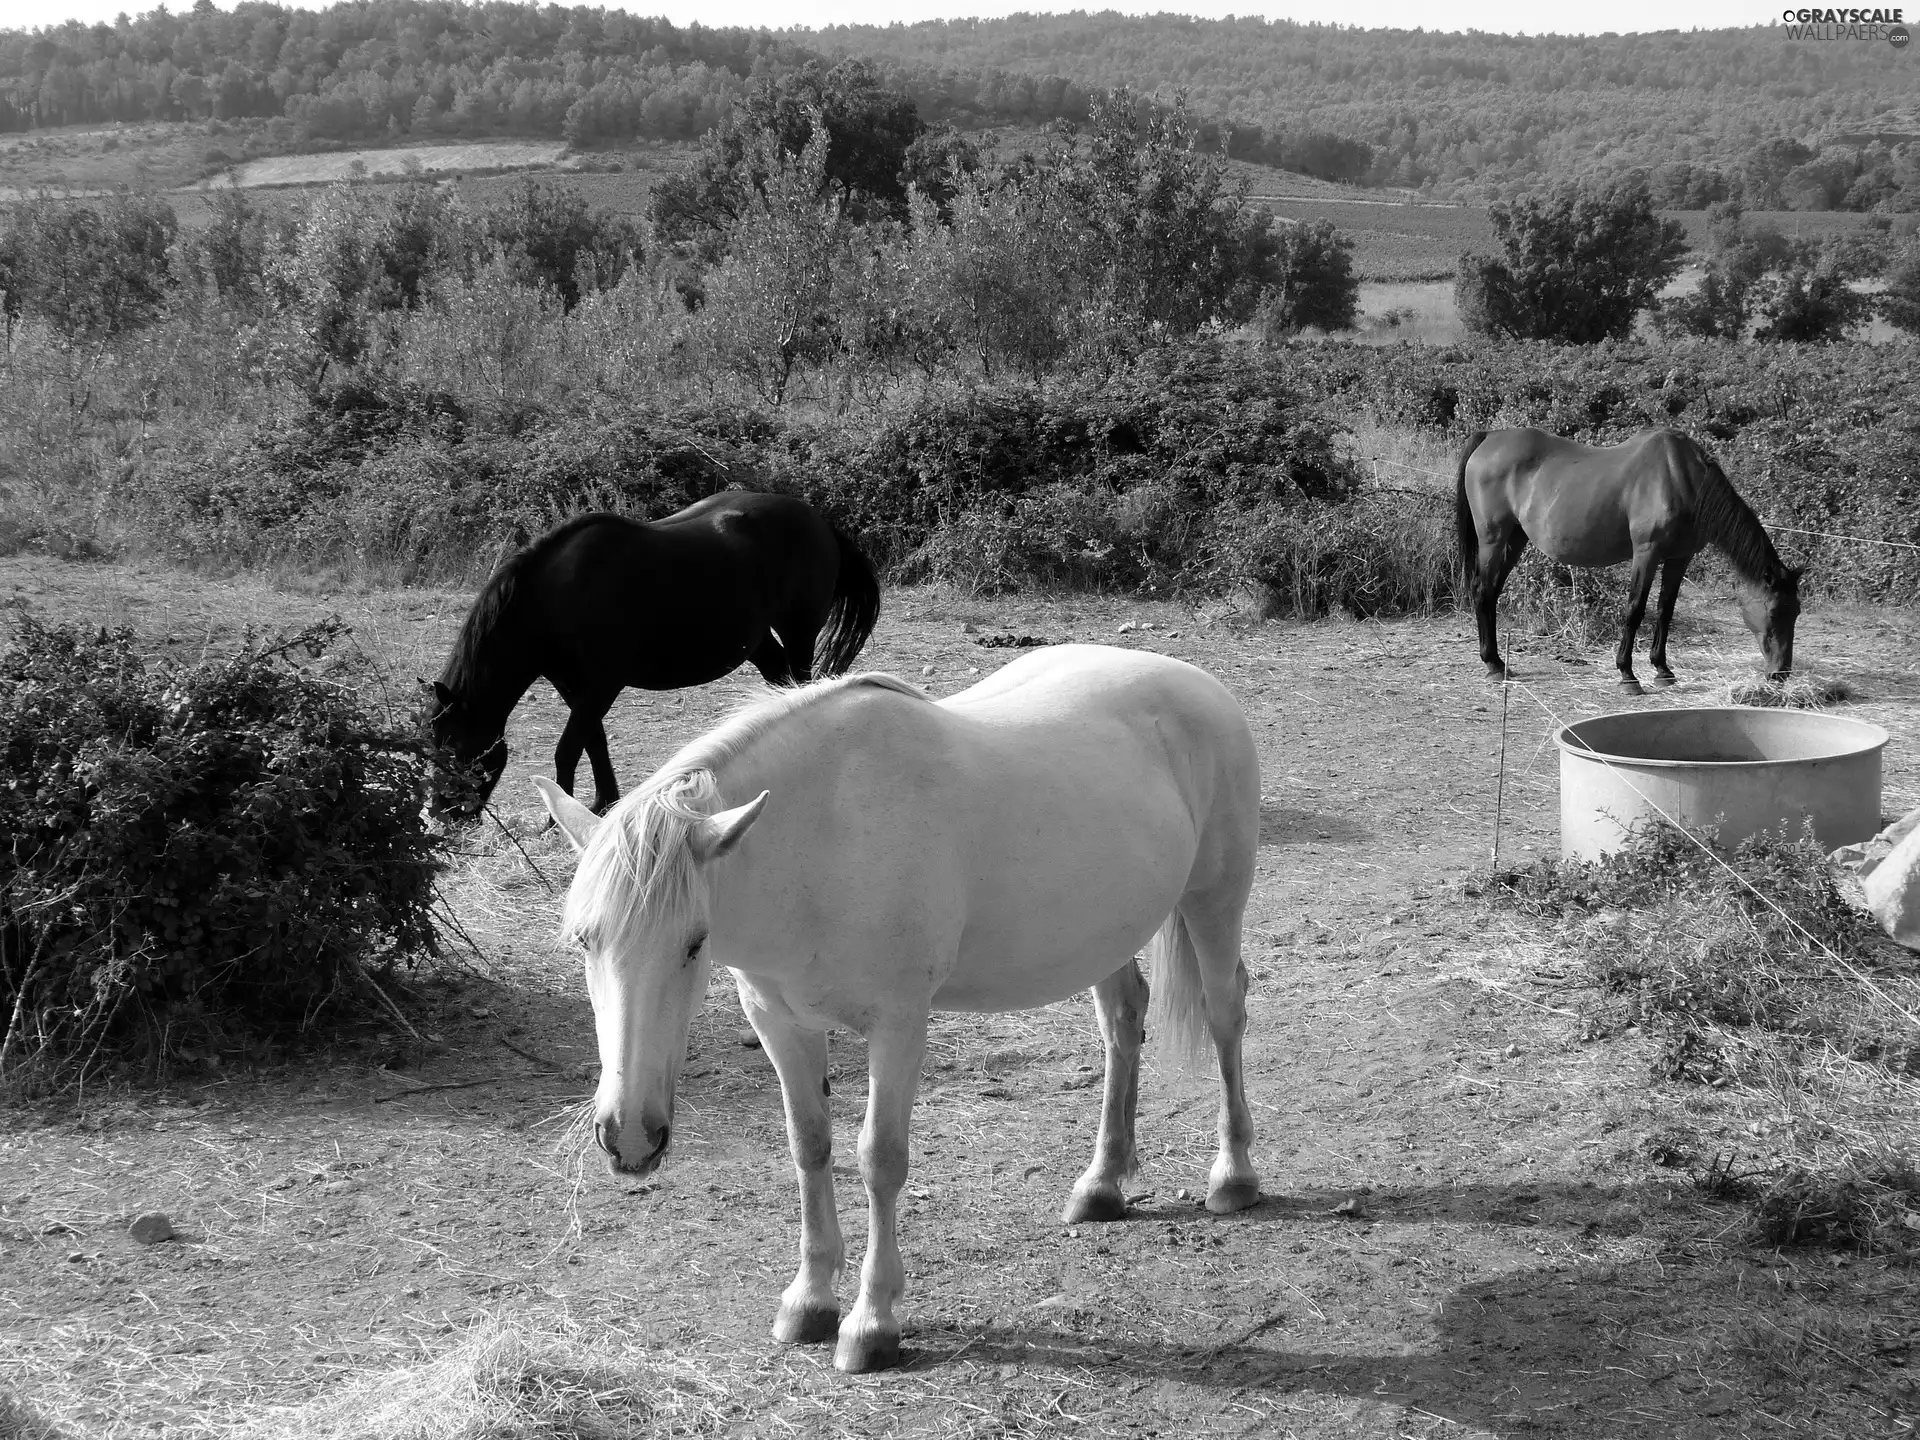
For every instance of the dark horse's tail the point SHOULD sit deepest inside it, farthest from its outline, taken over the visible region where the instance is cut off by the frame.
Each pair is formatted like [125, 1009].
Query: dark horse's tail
[1463, 514]
[855, 610]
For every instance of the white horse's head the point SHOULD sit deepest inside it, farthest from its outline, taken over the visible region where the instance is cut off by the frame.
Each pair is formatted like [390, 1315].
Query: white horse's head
[639, 909]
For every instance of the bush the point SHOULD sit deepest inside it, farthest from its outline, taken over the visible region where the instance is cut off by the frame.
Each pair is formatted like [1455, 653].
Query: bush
[225, 842]
[1386, 554]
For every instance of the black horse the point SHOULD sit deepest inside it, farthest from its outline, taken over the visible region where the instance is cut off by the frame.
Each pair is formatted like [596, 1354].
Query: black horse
[602, 602]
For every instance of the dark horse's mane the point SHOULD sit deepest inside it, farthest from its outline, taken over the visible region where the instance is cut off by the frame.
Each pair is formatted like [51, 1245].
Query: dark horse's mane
[495, 599]
[1728, 522]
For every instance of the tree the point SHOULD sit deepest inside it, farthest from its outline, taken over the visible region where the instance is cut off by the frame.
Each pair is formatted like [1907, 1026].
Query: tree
[1717, 310]
[1005, 276]
[1767, 167]
[768, 307]
[870, 131]
[1580, 263]
[326, 279]
[1315, 284]
[552, 236]
[1739, 253]
[1900, 302]
[1810, 304]
[90, 273]
[230, 252]
[936, 160]
[1171, 241]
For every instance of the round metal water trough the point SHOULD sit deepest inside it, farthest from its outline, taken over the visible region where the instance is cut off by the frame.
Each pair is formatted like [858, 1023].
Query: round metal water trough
[1740, 769]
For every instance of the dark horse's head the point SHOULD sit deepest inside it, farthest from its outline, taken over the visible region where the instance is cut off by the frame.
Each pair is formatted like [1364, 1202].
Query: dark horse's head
[469, 753]
[1770, 611]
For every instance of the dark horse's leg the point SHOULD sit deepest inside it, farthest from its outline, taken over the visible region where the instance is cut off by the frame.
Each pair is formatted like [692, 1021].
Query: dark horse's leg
[584, 731]
[1637, 588]
[774, 662]
[1497, 560]
[1670, 576]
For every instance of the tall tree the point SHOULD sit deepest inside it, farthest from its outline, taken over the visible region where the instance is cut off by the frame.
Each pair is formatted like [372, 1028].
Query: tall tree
[870, 132]
[1314, 284]
[1172, 241]
[769, 304]
[1579, 263]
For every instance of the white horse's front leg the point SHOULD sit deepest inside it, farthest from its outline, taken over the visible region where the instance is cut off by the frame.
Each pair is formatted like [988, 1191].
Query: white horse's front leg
[809, 1310]
[870, 1336]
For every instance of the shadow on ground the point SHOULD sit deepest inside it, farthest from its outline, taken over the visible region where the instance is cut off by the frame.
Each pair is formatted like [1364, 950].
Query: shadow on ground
[1675, 1347]
[1282, 825]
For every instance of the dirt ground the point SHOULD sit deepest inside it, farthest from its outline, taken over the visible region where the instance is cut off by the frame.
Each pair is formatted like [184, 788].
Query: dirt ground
[1511, 1265]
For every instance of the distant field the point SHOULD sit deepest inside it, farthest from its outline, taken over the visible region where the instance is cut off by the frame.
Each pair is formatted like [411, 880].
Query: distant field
[412, 160]
[1396, 242]
[143, 157]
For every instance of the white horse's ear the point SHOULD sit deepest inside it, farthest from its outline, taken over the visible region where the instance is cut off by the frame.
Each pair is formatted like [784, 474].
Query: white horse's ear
[575, 820]
[714, 836]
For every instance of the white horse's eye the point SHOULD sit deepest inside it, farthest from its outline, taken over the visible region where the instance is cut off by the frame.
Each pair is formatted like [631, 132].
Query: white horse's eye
[693, 948]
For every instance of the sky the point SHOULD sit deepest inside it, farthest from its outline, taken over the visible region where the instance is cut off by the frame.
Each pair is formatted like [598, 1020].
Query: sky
[1530, 17]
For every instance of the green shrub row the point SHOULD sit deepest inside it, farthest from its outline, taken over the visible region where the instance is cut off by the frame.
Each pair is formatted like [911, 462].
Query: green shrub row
[1197, 468]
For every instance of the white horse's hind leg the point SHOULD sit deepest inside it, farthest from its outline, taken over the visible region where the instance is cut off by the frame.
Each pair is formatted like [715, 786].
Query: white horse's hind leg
[809, 1310]
[1232, 1184]
[870, 1335]
[1120, 1003]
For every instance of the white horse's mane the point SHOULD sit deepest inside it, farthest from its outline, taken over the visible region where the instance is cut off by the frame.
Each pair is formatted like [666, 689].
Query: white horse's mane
[637, 865]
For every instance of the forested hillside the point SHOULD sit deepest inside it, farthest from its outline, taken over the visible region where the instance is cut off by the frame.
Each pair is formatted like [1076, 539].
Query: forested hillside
[1475, 112]
[1712, 115]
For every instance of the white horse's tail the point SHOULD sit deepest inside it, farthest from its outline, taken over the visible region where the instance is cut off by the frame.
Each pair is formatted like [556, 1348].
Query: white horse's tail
[1177, 1002]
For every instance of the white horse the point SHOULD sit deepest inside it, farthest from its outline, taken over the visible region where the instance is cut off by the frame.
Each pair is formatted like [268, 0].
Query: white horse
[996, 850]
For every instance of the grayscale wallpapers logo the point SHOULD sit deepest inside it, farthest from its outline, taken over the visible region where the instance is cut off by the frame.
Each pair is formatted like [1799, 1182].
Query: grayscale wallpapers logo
[1849, 24]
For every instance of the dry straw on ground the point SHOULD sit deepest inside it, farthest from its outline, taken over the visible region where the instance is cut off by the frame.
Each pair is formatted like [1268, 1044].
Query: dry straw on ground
[1797, 692]
[20, 1421]
[503, 1381]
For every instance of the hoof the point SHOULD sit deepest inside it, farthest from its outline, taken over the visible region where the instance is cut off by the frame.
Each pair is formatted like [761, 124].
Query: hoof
[806, 1325]
[1094, 1203]
[1232, 1196]
[858, 1355]
[1660, 682]
[1629, 686]
[1497, 673]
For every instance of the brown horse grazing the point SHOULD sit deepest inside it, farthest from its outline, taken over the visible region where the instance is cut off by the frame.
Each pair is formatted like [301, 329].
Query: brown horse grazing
[1656, 499]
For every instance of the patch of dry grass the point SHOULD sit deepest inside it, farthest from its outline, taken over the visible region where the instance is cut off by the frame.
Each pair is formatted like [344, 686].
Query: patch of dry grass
[1798, 1024]
[504, 1380]
[20, 1421]
[1796, 692]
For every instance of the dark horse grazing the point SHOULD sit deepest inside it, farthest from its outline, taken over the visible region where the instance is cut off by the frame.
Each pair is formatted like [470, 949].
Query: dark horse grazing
[602, 602]
[1655, 499]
